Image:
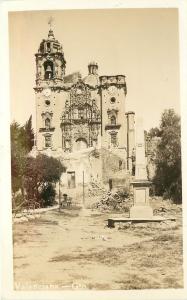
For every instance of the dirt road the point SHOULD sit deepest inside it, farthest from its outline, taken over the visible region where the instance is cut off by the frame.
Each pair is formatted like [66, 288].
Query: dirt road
[75, 250]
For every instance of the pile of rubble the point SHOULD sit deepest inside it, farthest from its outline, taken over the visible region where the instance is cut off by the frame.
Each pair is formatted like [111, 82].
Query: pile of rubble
[165, 207]
[163, 211]
[95, 189]
[113, 201]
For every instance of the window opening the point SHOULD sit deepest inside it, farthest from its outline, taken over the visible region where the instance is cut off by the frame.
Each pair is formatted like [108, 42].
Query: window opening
[47, 141]
[113, 120]
[47, 123]
[114, 139]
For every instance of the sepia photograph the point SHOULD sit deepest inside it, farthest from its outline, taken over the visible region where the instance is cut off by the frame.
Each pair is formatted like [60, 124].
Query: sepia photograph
[95, 142]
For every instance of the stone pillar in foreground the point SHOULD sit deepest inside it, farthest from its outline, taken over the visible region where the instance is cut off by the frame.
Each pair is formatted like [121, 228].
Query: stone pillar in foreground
[130, 139]
[141, 208]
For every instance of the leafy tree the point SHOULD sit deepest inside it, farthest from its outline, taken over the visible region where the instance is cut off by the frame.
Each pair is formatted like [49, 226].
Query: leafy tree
[41, 174]
[22, 141]
[35, 177]
[48, 195]
[18, 153]
[155, 131]
[29, 134]
[167, 178]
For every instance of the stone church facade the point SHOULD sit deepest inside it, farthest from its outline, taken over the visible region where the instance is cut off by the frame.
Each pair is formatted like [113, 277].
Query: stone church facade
[77, 117]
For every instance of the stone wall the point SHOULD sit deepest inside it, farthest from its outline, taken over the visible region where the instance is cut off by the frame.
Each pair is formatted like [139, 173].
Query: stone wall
[114, 168]
[99, 165]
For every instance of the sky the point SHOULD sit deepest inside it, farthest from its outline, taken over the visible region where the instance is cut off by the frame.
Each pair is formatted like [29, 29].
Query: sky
[139, 43]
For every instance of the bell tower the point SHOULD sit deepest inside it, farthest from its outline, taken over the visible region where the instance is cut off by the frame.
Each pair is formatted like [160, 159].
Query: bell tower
[50, 62]
[50, 95]
[113, 92]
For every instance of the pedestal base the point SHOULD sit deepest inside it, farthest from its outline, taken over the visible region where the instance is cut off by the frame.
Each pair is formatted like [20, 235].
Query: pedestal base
[141, 211]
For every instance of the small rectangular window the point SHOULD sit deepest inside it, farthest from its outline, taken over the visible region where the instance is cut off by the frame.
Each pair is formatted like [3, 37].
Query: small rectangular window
[47, 123]
[114, 139]
[80, 113]
[47, 141]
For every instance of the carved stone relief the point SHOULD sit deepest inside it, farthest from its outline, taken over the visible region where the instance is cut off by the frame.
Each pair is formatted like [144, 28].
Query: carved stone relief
[82, 115]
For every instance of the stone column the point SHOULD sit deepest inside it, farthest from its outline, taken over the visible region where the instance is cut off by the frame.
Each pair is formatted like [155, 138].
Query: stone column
[130, 139]
[140, 171]
[141, 208]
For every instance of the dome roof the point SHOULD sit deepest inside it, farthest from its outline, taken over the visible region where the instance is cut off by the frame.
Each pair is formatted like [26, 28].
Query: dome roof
[93, 63]
[92, 80]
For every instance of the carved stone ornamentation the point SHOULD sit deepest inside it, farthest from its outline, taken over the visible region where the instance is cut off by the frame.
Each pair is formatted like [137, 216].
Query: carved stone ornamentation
[81, 112]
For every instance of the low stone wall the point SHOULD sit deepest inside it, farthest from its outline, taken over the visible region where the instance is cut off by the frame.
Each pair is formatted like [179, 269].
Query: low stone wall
[31, 214]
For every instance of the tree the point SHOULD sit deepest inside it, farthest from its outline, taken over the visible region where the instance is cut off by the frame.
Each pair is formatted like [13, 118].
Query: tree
[35, 177]
[29, 134]
[154, 132]
[41, 174]
[48, 195]
[167, 179]
[22, 141]
[18, 153]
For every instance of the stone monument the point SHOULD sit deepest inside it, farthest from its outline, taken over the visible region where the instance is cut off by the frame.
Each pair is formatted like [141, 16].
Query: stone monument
[141, 207]
[141, 210]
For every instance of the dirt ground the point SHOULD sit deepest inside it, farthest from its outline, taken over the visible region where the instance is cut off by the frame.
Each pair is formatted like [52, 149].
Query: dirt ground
[74, 249]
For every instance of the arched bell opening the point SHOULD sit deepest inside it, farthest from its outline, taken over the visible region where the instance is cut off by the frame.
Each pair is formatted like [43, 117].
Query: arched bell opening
[48, 69]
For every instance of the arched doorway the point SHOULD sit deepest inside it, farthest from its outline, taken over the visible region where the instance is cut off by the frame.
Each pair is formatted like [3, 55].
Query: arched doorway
[81, 144]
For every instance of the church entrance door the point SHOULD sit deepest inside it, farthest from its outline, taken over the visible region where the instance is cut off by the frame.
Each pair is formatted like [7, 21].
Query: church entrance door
[81, 144]
[71, 180]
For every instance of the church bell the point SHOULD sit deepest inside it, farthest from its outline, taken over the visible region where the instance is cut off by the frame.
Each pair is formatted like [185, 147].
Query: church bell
[48, 69]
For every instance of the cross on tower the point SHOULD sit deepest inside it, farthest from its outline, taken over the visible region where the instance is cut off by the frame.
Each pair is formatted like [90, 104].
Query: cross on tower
[50, 22]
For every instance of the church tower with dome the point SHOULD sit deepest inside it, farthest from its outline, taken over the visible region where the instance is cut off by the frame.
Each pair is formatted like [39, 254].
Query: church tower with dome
[76, 115]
